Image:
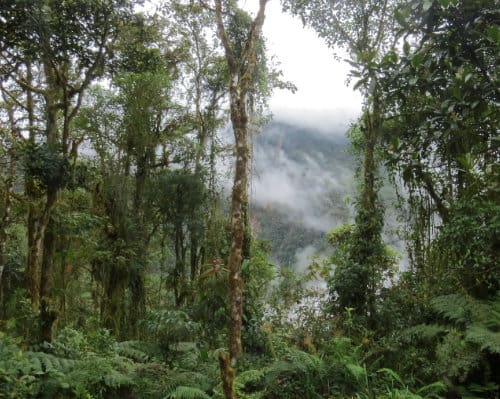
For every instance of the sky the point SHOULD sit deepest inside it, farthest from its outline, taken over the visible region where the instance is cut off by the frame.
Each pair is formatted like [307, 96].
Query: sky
[323, 96]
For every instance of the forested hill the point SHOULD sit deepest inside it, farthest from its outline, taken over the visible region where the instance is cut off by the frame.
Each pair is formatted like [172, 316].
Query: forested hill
[302, 178]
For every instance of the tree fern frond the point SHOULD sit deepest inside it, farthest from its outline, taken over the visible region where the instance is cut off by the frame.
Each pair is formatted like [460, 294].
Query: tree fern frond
[129, 349]
[392, 375]
[46, 362]
[249, 384]
[432, 390]
[425, 331]
[455, 308]
[185, 392]
[485, 338]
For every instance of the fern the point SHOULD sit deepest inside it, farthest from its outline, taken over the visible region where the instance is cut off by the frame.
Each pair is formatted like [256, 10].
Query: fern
[455, 308]
[392, 375]
[249, 384]
[130, 350]
[432, 390]
[299, 374]
[42, 362]
[426, 332]
[480, 319]
[485, 338]
[185, 392]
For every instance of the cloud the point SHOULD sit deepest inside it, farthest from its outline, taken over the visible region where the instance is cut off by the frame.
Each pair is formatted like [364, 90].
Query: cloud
[327, 121]
[308, 187]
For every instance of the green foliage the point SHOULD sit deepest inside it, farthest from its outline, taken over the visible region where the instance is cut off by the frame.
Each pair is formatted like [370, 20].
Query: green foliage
[466, 251]
[46, 164]
[170, 327]
[144, 206]
[361, 265]
[14, 383]
[21, 319]
[182, 392]
[480, 319]
[298, 374]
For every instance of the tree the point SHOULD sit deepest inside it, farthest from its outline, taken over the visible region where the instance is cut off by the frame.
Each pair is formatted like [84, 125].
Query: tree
[242, 59]
[441, 94]
[365, 30]
[67, 44]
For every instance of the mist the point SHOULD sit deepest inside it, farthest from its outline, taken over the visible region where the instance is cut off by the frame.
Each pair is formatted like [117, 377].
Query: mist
[302, 176]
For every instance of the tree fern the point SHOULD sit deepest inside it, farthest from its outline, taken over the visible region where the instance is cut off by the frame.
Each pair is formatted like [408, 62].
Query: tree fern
[299, 374]
[455, 308]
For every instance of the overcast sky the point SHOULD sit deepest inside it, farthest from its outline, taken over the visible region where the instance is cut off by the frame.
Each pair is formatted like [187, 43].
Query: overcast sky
[306, 61]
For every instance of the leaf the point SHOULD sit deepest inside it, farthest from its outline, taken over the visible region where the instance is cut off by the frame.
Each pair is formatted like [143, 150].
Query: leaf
[406, 48]
[356, 370]
[400, 14]
[432, 389]
[392, 374]
[417, 59]
[359, 83]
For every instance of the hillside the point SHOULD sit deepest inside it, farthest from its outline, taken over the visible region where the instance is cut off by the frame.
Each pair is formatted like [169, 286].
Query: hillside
[301, 179]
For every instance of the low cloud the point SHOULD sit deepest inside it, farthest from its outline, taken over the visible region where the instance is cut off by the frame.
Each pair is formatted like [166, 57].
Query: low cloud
[330, 122]
[308, 187]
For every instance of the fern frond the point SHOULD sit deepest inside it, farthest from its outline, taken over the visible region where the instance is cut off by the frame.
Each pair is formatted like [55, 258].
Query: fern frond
[425, 331]
[185, 392]
[455, 308]
[129, 349]
[115, 379]
[46, 362]
[432, 390]
[486, 339]
[248, 384]
[392, 375]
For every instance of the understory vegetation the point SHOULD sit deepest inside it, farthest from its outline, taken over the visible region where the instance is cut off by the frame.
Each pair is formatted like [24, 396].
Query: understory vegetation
[127, 269]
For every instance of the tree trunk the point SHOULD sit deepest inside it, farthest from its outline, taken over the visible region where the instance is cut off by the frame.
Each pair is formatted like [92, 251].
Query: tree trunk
[241, 69]
[48, 315]
[238, 200]
[46, 233]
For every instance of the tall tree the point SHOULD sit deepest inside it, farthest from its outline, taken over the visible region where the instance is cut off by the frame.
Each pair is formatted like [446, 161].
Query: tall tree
[365, 30]
[242, 59]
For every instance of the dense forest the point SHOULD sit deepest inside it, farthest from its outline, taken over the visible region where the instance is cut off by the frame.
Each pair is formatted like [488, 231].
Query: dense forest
[131, 268]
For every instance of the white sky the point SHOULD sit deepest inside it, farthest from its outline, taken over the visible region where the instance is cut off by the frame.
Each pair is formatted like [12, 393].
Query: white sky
[305, 60]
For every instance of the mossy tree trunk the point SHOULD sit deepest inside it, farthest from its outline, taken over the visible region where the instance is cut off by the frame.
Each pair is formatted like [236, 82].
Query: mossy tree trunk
[241, 70]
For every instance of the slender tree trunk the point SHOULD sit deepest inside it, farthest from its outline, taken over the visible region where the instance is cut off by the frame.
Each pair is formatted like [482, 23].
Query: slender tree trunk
[238, 201]
[4, 223]
[371, 220]
[241, 69]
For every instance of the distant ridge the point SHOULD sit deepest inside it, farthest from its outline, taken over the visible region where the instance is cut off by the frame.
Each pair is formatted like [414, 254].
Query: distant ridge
[301, 177]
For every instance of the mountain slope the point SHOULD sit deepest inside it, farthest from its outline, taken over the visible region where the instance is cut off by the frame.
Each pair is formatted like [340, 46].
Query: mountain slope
[301, 178]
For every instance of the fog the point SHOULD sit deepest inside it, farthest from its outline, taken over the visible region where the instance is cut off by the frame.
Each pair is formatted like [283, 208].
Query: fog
[306, 176]
[303, 185]
[303, 176]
